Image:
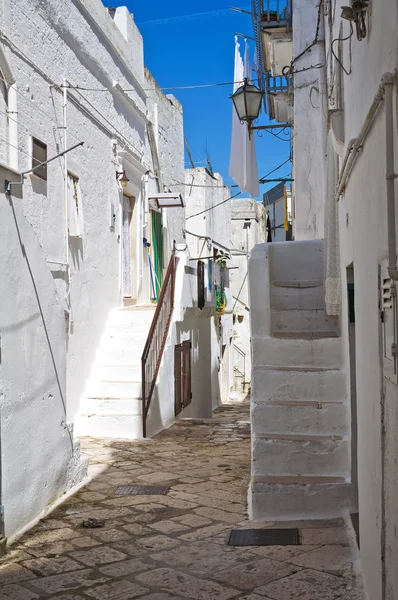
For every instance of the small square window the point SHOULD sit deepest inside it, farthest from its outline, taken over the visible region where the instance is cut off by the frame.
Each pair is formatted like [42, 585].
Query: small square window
[39, 155]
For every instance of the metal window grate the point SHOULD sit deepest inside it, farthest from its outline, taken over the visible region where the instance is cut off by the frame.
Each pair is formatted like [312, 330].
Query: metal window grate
[142, 490]
[264, 537]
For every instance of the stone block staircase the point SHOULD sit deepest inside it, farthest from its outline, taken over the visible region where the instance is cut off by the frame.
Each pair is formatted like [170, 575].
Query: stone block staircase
[112, 405]
[300, 446]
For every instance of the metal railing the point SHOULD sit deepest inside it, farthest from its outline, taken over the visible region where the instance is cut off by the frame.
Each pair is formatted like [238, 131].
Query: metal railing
[156, 341]
[275, 13]
[240, 364]
[267, 14]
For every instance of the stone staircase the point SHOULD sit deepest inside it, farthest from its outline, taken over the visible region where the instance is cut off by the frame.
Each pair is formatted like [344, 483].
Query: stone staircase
[112, 403]
[300, 445]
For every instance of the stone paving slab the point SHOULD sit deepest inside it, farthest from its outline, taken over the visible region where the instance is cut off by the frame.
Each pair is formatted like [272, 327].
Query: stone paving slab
[174, 547]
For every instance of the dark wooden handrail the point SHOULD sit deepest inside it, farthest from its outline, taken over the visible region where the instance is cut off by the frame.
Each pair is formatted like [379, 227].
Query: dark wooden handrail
[156, 341]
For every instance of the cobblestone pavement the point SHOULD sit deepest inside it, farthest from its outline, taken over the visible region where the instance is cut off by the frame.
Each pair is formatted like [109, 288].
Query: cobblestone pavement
[173, 546]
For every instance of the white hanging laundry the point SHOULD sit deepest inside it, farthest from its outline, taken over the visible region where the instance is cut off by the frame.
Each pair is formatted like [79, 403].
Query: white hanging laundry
[75, 208]
[243, 160]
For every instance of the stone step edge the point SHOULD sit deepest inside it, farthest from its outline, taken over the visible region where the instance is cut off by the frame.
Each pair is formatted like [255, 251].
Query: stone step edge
[300, 403]
[114, 398]
[117, 381]
[302, 285]
[297, 368]
[297, 480]
[107, 415]
[298, 438]
[305, 335]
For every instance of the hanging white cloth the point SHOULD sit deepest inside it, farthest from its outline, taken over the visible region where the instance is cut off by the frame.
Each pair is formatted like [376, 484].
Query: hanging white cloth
[243, 160]
[75, 208]
[332, 243]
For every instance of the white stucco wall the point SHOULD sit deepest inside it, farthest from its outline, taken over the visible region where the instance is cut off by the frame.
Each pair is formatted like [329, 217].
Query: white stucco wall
[244, 212]
[45, 44]
[309, 123]
[39, 458]
[363, 242]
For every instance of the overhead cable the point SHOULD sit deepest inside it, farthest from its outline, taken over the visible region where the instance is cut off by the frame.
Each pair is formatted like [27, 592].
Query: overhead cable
[212, 207]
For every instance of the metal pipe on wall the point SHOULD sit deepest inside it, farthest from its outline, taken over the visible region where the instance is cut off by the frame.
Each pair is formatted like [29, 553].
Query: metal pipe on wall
[388, 81]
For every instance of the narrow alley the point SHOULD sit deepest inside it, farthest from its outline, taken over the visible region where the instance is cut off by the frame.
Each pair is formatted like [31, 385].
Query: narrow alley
[175, 545]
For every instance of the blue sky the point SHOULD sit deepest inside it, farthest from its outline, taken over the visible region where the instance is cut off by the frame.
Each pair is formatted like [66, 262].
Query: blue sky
[193, 44]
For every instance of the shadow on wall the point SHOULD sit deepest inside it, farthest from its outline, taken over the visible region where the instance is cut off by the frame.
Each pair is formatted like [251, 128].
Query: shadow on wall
[41, 313]
[205, 385]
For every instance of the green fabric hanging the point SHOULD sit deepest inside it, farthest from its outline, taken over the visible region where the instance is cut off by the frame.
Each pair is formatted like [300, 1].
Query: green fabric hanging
[157, 249]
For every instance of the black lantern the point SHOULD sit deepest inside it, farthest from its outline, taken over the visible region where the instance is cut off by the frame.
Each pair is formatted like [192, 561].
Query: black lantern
[123, 180]
[247, 101]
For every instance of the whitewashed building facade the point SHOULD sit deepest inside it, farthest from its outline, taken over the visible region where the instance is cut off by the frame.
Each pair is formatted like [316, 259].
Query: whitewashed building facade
[248, 230]
[343, 79]
[83, 257]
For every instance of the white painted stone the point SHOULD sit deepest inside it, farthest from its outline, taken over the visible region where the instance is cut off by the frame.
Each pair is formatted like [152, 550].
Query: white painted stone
[125, 426]
[269, 351]
[309, 456]
[285, 297]
[299, 418]
[114, 389]
[112, 406]
[281, 502]
[303, 321]
[294, 384]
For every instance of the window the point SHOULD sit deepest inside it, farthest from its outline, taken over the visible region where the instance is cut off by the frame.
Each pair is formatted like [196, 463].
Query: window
[75, 207]
[39, 155]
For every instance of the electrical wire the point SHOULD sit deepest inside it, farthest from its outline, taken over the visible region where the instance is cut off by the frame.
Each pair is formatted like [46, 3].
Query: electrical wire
[16, 147]
[171, 88]
[36, 108]
[288, 70]
[276, 168]
[212, 207]
[335, 55]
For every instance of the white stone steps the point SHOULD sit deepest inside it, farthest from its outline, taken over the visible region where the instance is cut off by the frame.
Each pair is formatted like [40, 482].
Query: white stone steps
[114, 389]
[272, 352]
[298, 498]
[299, 284]
[124, 426]
[299, 335]
[275, 454]
[295, 383]
[297, 479]
[299, 418]
[120, 373]
[112, 406]
[304, 321]
[119, 357]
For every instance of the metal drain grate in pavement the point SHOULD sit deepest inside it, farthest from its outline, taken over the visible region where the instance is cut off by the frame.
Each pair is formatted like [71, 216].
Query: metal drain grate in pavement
[142, 490]
[264, 537]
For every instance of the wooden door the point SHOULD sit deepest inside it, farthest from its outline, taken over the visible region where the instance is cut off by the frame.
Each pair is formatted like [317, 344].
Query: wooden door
[182, 376]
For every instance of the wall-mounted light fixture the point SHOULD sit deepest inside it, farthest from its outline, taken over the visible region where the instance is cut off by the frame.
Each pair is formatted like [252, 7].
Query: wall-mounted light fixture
[123, 180]
[168, 200]
[247, 102]
[356, 14]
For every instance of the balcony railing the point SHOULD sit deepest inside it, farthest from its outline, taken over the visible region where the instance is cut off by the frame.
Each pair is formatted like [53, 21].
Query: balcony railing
[267, 14]
[273, 85]
[275, 13]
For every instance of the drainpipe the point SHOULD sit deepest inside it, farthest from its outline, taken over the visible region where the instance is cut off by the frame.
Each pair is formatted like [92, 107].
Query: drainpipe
[66, 234]
[388, 80]
[356, 145]
[13, 126]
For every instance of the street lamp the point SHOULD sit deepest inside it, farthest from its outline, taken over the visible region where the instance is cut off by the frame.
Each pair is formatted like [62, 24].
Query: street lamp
[247, 101]
[123, 180]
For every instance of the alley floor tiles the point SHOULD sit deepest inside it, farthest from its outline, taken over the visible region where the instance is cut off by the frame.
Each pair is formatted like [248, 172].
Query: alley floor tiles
[174, 546]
